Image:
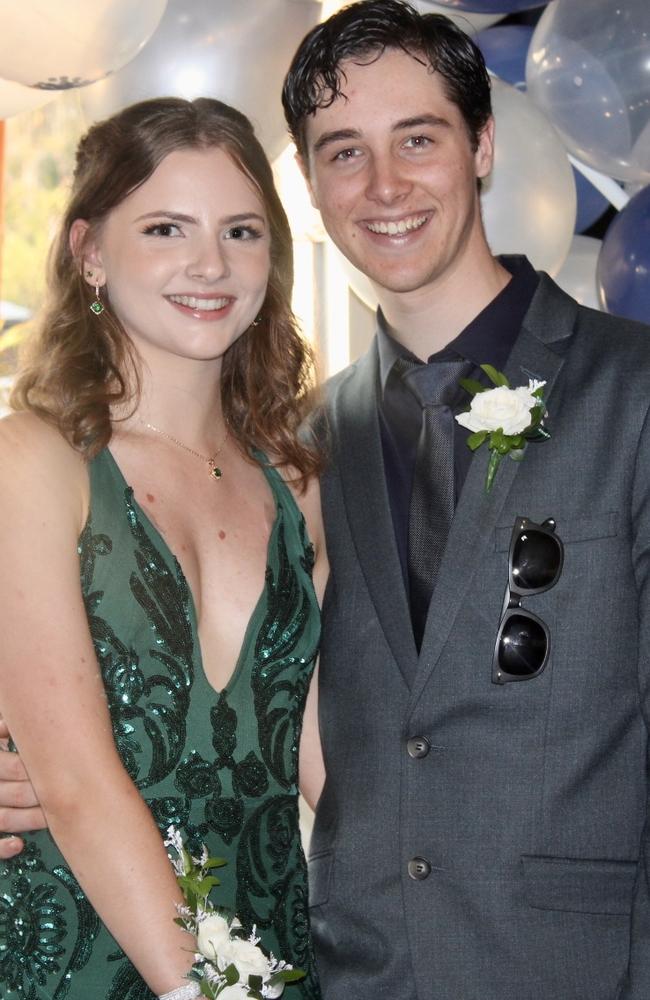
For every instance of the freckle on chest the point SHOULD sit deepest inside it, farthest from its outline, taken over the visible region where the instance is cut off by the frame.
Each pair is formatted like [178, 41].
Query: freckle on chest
[222, 535]
[151, 498]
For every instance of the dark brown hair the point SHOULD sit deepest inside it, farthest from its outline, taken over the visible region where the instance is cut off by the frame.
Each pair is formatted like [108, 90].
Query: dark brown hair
[362, 32]
[79, 365]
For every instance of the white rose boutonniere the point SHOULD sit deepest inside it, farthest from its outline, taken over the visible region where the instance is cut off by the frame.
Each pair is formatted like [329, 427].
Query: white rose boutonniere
[227, 965]
[506, 418]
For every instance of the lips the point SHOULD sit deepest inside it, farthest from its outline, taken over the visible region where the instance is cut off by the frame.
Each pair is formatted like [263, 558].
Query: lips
[199, 304]
[397, 227]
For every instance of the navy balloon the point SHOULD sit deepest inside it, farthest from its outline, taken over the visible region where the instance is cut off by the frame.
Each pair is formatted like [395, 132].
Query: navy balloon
[493, 6]
[624, 262]
[591, 203]
[504, 49]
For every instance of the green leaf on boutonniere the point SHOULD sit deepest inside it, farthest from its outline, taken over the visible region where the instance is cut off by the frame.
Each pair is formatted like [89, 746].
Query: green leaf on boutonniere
[499, 442]
[472, 386]
[476, 439]
[496, 377]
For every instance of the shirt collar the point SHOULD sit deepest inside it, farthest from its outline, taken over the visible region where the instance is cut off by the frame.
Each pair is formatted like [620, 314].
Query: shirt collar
[490, 336]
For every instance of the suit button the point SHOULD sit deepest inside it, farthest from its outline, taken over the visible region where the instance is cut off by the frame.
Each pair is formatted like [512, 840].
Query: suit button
[418, 747]
[419, 869]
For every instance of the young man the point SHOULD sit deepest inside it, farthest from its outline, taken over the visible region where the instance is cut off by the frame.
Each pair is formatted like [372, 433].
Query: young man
[481, 831]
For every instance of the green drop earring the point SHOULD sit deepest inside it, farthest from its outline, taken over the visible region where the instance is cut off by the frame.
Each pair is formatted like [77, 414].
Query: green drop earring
[96, 306]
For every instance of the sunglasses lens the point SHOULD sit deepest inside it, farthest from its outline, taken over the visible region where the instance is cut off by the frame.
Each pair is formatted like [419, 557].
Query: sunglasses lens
[522, 645]
[535, 559]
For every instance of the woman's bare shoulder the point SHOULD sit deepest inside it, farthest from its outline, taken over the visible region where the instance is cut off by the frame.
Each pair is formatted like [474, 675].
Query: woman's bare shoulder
[36, 459]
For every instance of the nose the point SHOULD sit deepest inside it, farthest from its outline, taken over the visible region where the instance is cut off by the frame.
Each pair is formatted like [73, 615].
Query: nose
[387, 181]
[208, 260]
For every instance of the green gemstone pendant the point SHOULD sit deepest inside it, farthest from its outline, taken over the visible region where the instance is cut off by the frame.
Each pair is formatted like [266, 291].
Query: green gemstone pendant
[215, 471]
[97, 307]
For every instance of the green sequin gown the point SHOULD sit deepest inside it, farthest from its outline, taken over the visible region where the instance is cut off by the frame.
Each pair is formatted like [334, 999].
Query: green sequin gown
[223, 767]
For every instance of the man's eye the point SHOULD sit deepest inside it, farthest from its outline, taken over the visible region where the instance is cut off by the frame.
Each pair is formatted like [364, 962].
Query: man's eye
[418, 141]
[346, 154]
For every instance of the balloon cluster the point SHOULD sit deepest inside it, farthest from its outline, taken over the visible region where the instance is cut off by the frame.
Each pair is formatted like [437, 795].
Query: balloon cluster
[120, 52]
[577, 83]
[586, 67]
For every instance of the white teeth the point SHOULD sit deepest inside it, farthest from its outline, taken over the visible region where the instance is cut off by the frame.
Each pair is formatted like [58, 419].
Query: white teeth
[397, 228]
[194, 303]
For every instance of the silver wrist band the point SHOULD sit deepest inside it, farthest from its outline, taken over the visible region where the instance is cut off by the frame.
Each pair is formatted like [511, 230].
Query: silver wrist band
[188, 992]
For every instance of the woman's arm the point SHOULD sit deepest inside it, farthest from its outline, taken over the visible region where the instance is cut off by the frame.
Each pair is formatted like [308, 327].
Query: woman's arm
[55, 706]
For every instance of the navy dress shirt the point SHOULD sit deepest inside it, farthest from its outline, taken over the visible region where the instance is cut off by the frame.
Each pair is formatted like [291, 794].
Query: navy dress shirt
[488, 339]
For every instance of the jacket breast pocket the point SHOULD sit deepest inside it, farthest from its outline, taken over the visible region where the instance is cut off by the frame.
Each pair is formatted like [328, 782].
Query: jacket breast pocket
[320, 871]
[577, 885]
[569, 529]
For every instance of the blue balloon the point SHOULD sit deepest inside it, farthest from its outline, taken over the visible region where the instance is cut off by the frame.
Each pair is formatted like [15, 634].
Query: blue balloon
[623, 271]
[493, 6]
[504, 49]
[591, 203]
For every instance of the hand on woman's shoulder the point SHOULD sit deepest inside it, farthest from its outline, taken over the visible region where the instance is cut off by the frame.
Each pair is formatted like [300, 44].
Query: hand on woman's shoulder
[38, 466]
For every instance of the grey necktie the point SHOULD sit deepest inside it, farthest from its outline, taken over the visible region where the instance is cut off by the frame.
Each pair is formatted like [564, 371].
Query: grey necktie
[436, 388]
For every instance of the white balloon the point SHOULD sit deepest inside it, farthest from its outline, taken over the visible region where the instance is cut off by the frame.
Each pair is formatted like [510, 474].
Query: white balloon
[70, 43]
[235, 50]
[588, 69]
[15, 99]
[470, 22]
[529, 200]
[578, 273]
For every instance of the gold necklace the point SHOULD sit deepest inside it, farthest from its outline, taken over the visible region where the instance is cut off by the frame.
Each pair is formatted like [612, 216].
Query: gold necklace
[213, 468]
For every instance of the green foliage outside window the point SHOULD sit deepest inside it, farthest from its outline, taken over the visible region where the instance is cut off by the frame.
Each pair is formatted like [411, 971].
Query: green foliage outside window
[39, 159]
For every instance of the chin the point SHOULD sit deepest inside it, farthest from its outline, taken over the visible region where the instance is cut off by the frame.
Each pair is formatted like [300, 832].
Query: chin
[400, 283]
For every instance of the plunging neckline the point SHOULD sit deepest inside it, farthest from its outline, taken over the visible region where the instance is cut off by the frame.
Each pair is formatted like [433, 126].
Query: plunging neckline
[147, 522]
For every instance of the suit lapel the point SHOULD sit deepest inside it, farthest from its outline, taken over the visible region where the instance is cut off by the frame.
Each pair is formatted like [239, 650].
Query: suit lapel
[550, 319]
[359, 458]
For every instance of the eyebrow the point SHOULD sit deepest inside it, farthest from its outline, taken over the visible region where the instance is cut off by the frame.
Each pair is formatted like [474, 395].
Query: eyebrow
[180, 217]
[344, 134]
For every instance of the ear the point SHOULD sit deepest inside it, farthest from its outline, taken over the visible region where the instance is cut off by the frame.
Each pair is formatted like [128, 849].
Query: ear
[303, 166]
[86, 252]
[484, 155]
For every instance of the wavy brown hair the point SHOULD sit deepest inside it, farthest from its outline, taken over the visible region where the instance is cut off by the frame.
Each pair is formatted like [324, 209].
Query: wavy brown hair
[79, 365]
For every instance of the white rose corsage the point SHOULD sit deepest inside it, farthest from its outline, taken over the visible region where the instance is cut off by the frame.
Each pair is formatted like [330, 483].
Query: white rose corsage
[227, 964]
[506, 418]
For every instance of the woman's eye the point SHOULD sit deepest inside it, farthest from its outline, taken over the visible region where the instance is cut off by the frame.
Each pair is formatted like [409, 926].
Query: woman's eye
[243, 233]
[163, 229]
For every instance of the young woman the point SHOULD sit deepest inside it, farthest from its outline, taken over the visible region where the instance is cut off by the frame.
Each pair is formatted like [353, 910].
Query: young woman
[162, 556]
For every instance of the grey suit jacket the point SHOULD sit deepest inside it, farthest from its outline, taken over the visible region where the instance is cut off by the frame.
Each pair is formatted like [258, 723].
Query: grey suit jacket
[530, 807]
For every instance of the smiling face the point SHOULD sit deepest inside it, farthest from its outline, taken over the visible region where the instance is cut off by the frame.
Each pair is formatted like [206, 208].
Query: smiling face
[185, 257]
[394, 174]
